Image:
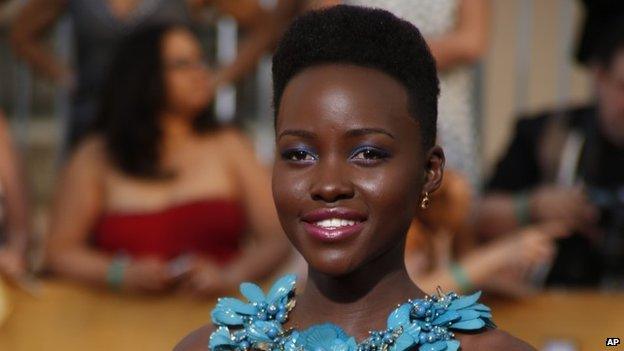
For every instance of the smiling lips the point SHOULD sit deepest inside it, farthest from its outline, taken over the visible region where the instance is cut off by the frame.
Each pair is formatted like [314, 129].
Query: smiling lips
[333, 224]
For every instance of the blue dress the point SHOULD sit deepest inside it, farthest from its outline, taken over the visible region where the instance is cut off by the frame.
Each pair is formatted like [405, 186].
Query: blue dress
[425, 324]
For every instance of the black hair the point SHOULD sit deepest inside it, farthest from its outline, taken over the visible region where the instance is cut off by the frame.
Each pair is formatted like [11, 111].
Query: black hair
[365, 37]
[611, 45]
[132, 99]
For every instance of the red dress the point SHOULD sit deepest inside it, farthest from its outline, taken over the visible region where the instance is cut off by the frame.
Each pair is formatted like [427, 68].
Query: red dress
[212, 228]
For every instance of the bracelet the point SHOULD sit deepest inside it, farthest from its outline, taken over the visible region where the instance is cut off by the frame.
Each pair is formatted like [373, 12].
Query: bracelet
[521, 205]
[115, 273]
[461, 277]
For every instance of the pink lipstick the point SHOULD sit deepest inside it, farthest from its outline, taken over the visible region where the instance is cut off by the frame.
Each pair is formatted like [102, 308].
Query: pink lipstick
[333, 224]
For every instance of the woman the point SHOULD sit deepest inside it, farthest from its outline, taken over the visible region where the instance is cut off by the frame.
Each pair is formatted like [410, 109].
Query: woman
[356, 102]
[160, 194]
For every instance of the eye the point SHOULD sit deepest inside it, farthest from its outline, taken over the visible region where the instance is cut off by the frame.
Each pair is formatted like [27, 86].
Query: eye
[298, 155]
[369, 154]
[185, 63]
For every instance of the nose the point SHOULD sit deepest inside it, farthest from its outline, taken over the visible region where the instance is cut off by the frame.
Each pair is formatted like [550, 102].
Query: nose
[331, 183]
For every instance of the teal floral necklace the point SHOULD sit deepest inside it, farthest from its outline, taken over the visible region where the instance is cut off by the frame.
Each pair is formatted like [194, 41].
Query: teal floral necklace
[424, 323]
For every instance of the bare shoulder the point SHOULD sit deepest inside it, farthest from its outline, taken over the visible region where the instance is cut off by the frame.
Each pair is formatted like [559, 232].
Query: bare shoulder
[91, 149]
[239, 148]
[226, 140]
[493, 339]
[197, 340]
[233, 137]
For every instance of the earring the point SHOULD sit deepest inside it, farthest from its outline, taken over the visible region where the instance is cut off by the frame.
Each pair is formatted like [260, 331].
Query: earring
[424, 203]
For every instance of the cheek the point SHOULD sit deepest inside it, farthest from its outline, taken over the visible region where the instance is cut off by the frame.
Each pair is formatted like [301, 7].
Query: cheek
[290, 188]
[174, 88]
[394, 191]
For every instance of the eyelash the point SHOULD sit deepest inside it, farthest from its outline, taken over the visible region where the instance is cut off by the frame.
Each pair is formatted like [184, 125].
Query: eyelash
[298, 155]
[374, 154]
[370, 155]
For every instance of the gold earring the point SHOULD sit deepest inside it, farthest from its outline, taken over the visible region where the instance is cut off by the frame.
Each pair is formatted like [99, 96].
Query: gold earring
[424, 203]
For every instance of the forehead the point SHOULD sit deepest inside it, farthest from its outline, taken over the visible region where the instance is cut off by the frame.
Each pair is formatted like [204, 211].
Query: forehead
[344, 95]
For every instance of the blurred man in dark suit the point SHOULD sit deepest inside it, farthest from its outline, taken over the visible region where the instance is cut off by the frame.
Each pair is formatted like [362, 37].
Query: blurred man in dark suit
[568, 166]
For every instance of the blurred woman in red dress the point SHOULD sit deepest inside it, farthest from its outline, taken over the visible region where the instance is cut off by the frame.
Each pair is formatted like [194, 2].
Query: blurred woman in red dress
[160, 195]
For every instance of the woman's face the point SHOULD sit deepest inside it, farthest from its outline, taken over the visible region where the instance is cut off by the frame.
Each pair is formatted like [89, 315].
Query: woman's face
[186, 76]
[349, 170]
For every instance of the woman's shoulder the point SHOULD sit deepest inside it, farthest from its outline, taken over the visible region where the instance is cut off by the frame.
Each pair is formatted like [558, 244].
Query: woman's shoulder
[225, 139]
[493, 339]
[197, 340]
[232, 136]
[92, 148]
[90, 153]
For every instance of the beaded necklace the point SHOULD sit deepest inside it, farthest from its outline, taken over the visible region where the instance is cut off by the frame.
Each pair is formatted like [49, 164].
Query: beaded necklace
[426, 323]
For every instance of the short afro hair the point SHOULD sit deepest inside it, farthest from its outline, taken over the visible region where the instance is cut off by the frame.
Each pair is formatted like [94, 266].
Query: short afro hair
[366, 37]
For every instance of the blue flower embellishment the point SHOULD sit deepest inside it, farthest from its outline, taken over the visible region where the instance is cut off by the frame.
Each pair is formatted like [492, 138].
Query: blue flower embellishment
[273, 306]
[427, 324]
[257, 323]
[324, 337]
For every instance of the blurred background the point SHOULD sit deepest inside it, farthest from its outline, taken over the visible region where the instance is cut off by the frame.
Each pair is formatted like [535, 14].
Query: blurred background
[531, 211]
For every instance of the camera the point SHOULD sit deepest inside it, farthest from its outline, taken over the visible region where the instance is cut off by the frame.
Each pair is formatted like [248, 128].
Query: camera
[610, 203]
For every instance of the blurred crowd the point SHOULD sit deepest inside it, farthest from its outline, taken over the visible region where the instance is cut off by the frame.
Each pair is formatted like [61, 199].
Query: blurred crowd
[154, 193]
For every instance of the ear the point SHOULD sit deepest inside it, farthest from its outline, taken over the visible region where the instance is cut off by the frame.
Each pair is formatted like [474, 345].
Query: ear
[434, 169]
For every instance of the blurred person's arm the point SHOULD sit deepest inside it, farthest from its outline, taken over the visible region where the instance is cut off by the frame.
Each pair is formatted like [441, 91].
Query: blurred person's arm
[77, 207]
[32, 23]
[519, 253]
[267, 246]
[468, 41]
[13, 187]
[501, 212]
[517, 195]
[264, 27]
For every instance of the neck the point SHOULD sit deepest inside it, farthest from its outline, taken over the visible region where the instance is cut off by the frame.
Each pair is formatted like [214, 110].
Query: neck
[358, 301]
[175, 128]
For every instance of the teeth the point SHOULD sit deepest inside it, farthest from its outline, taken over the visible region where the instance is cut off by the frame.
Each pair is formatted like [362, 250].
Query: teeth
[334, 223]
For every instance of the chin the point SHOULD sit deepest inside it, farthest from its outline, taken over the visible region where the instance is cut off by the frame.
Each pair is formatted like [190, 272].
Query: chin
[333, 262]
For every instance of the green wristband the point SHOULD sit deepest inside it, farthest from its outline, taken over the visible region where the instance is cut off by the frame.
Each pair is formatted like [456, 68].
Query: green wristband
[115, 273]
[521, 205]
[460, 277]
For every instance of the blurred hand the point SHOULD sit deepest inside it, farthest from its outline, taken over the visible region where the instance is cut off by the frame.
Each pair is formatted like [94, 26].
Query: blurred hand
[205, 278]
[12, 263]
[508, 283]
[147, 275]
[517, 257]
[567, 205]
[529, 248]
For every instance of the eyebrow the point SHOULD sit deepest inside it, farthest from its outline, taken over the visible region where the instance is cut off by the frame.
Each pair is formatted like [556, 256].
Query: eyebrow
[297, 132]
[366, 131]
[350, 133]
